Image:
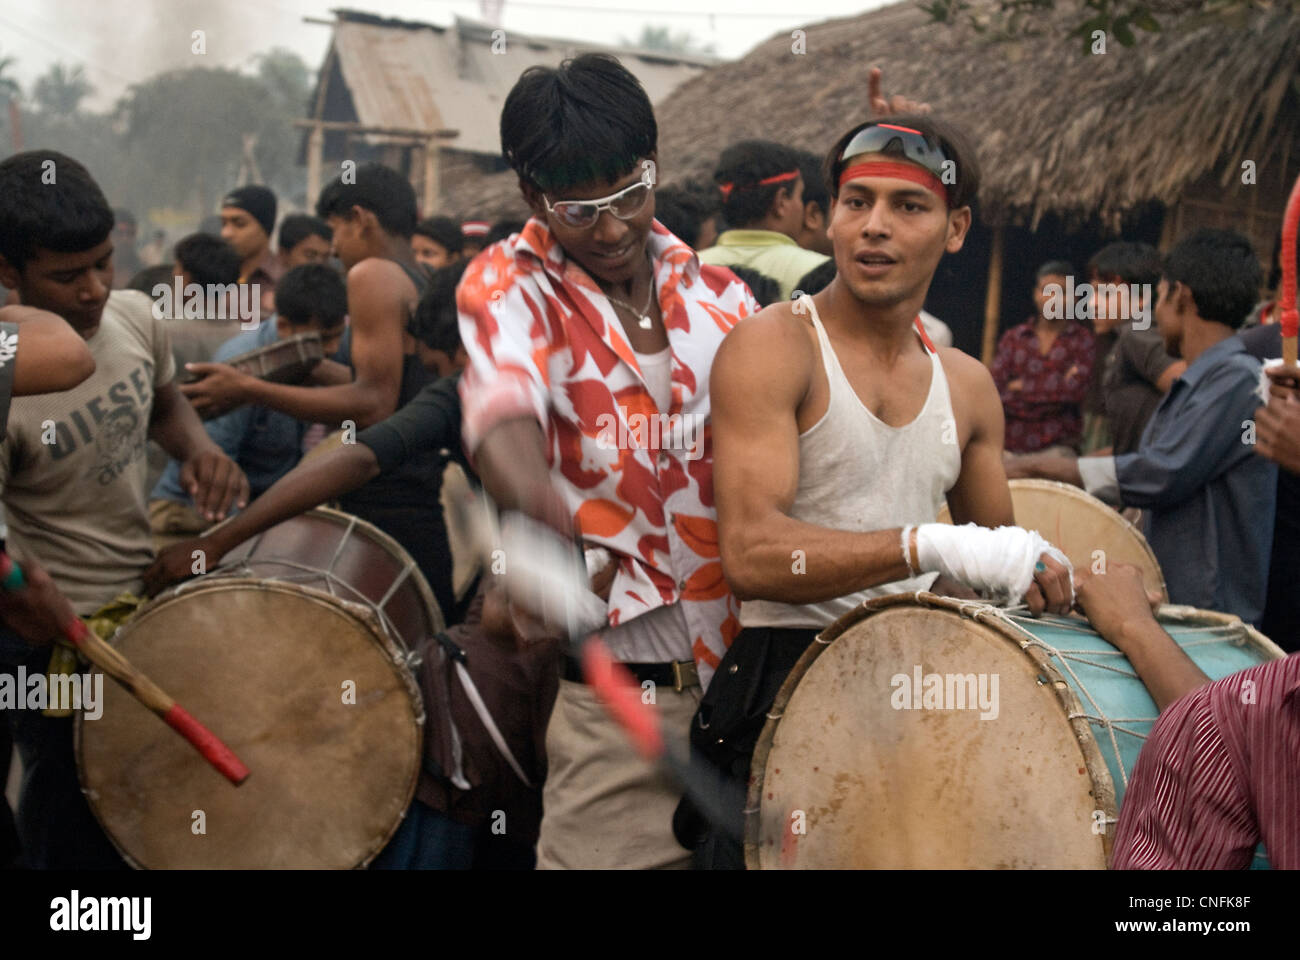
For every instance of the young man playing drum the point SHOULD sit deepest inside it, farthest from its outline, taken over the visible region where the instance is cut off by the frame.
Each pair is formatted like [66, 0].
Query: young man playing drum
[839, 430]
[74, 464]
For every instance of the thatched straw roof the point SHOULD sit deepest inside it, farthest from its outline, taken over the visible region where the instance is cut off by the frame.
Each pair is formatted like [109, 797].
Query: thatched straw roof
[1056, 130]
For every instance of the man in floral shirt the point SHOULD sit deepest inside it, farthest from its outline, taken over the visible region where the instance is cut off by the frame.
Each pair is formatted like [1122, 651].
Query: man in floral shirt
[1042, 371]
[590, 336]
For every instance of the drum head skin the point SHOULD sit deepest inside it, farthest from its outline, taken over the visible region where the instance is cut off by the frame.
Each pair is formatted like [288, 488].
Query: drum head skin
[875, 785]
[313, 701]
[1080, 525]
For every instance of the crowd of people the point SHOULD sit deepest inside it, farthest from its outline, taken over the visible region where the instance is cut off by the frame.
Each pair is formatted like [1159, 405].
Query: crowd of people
[779, 308]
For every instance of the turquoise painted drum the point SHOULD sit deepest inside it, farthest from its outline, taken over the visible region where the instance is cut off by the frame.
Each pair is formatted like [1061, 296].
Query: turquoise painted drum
[1115, 703]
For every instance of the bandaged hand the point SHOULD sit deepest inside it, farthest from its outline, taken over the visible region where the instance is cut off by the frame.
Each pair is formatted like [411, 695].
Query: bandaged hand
[1003, 564]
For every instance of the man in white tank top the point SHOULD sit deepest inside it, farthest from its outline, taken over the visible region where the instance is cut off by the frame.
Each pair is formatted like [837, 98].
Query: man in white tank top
[839, 431]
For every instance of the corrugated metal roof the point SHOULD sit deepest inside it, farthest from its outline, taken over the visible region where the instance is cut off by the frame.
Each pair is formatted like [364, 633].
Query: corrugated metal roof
[420, 76]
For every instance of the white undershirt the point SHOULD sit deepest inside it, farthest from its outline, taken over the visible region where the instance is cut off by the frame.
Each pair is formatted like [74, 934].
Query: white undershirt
[657, 368]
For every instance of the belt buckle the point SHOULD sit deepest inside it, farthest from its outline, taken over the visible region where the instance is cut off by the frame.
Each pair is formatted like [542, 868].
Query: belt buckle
[685, 674]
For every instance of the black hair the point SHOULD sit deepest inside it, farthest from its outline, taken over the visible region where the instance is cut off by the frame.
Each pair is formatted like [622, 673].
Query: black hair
[297, 227]
[682, 212]
[207, 259]
[1054, 268]
[1221, 270]
[67, 215]
[443, 231]
[955, 146]
[435, 323]
[586, 121]
[502, 229]
[818, 278]
[1128, 261]
[764, 288]
[743, 165]
[150, 277]
[814, 184]
[312, 291]
[377, 188]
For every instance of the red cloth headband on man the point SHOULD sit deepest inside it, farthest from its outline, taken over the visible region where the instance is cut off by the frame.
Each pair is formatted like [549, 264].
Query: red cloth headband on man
[726, 188]
[897, 170]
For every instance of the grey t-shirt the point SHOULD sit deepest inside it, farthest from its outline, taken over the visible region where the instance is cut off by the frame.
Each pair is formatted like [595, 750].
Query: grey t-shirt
[73, 469]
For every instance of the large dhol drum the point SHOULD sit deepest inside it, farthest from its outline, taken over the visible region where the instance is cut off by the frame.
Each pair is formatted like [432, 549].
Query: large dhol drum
[924, 732]
[296, 652]
[1082, 527]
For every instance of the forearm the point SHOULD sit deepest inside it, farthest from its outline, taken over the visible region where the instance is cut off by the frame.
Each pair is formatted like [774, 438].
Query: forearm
[1051, 467]
[1162, 666]
[511, 462]
[329, 405]
[788, 561]
[308, 485]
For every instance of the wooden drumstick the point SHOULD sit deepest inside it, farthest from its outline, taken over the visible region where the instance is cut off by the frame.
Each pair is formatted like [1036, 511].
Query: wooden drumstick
[137, 684]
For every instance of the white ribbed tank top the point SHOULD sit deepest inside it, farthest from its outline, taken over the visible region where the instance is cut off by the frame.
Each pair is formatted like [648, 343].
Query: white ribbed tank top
[858, 473]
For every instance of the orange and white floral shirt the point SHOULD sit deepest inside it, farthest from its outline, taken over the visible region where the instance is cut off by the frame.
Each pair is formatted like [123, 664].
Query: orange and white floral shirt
[544, 341]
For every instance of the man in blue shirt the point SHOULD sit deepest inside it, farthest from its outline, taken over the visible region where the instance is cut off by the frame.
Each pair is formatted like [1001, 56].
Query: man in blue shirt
[267, 444]
[1209, 501]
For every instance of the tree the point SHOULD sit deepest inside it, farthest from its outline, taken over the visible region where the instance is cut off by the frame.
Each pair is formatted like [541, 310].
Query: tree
[287, 77]
[60, 91]
[662, 38]
[9, 88]
[187, 128]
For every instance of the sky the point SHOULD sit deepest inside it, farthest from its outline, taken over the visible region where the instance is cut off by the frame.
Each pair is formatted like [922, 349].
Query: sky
[121, 42]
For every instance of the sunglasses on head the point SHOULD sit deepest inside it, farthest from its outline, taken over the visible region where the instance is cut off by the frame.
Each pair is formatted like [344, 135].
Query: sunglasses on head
[582, 214]
[890, 138]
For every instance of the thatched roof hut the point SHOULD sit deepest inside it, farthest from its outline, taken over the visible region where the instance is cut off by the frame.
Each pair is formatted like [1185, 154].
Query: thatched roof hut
[1057, 130]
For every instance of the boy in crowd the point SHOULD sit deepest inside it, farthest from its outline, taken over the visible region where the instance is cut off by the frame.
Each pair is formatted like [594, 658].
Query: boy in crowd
[303, 239]
[247, 222]
[762, 201]
[74, 465]
[437, 242]
[265, 443]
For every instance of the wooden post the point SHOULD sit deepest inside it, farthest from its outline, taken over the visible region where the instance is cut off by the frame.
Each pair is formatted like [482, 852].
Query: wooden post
[315, 151]
[431, 184]
[993, 299]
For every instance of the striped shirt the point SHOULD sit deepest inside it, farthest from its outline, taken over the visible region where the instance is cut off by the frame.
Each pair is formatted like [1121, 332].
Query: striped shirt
[1219, 774]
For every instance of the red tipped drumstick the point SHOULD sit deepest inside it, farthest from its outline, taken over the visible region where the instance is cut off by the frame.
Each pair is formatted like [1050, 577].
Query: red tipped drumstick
[1288, 317]
[137, 684]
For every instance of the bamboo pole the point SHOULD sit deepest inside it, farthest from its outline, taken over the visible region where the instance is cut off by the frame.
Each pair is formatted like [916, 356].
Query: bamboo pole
[993, 299]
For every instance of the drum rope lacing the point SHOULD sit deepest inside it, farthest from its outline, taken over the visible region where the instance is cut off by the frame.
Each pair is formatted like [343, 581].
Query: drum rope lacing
[1234, 633]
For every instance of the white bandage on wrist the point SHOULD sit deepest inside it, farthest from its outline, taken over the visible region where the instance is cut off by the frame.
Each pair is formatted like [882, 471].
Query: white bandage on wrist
[998, 563]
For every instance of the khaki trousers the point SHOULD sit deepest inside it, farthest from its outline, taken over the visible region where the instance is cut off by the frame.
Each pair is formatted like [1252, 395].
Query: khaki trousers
[603, 807]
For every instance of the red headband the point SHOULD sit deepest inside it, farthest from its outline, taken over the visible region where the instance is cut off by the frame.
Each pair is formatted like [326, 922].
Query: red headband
[726, 188]
[896, 171]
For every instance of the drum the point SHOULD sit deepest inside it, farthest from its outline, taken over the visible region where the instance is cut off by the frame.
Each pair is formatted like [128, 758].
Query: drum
[925, 732]
[290, 360]
[297, 652]
[1086, 530]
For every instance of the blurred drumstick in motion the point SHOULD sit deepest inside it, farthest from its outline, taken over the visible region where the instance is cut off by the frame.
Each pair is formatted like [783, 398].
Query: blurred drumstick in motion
[546, 576]
[136, 683]
[1288, 317]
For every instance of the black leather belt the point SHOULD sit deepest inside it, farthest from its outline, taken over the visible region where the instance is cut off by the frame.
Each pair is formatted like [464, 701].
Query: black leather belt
[678, 674]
